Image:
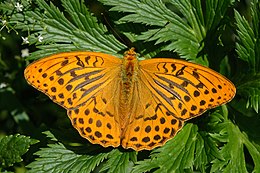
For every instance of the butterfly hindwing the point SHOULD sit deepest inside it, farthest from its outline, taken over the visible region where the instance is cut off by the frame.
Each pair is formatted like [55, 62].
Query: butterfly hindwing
[98, 120]
[151, 124]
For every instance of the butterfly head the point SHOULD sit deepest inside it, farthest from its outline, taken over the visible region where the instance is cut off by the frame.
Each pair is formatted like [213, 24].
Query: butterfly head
[130, 54]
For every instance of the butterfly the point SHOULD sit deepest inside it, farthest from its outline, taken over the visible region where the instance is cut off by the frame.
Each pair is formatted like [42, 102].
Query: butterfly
[127, 102]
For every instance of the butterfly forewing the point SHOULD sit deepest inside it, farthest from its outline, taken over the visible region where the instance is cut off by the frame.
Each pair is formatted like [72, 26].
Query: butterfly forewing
[186, 89]
[68, 77]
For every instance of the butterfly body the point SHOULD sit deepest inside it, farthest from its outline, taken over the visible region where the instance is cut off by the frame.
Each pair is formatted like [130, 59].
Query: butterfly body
[128, 76]
[136, 104]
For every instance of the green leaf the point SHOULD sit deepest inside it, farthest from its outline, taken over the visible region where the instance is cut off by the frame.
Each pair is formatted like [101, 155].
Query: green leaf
[119, 162]
[233, 152]
[176, 30]
[77, 157]
[180, 23]
[249, 88]
[255, 6]
[248, 49]
[56, 158]
[82, 33]
[60, 158]
[215, 12]
[232, 143]
[146, 12]
[13, 147]
[206, 151]
[247, 43]
[175, 156]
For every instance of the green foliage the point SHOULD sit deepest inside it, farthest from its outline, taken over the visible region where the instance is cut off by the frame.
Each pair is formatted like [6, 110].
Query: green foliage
[232, 153]
[57, 158]
[248, 49]
[13, 147]
[223, 140]
[50, 23]
[119, 162]
[250, 90]
[196, 149]
[186, 41]
[177, 155]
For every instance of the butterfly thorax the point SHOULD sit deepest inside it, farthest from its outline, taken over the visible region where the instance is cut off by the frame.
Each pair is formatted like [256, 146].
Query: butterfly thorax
[129, 76]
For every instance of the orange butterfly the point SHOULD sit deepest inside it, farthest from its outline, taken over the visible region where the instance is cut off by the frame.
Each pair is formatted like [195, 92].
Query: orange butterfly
[136, 104]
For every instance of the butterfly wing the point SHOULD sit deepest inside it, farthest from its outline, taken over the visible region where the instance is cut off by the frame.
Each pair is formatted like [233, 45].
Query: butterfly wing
[150, 124]
[86, 84]
[169, 92]
[187, 89]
